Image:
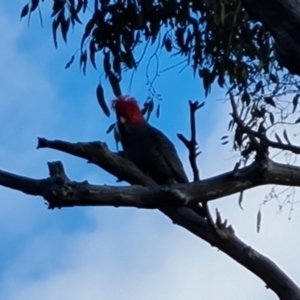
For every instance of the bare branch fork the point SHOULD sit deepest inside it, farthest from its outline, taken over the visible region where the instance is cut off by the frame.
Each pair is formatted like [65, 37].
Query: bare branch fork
[174, 201]
[192, 146]
[256, 174]
[218, 228]
[60, 192]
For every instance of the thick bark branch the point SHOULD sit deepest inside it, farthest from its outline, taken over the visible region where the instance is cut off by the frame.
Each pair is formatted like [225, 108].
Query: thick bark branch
[282, 19]
[70, 193]
[30, 186]
[257, 174]
[99, 154]
[60, 191]
[248, 257]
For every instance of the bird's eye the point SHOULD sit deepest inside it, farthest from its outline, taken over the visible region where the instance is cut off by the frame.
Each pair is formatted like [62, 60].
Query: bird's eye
[122, 120]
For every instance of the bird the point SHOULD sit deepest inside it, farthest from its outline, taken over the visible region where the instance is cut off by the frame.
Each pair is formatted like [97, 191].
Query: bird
[148, 147]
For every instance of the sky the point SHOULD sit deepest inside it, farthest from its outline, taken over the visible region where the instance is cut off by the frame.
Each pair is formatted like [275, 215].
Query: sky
[114, 253]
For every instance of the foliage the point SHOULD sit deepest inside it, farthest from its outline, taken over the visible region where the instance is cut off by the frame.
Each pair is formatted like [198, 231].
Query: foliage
[218, 39]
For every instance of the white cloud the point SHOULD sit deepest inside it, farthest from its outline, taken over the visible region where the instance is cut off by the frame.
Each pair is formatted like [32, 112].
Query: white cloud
[127, 253]
[168, 265]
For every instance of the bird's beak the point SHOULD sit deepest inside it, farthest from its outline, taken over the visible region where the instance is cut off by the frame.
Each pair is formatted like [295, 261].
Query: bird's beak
[122, 120]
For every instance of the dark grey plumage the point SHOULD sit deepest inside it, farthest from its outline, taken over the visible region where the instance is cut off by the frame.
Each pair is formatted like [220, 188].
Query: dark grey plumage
[152, 152]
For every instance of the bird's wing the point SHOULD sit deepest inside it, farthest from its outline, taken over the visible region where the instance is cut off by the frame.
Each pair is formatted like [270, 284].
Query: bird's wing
[167, 150]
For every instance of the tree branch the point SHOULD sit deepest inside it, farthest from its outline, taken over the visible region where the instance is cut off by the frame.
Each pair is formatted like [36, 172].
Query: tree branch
[205, 190]
[99, 154]
[257, 174]
[262, 137]
[231, 182]
[60, 191]
[192, 146]
[192, 143]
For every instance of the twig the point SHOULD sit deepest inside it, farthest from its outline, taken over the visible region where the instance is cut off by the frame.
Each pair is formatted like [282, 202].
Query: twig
[227, 241]
[233, 26]
[261, 151]
[262, 137]
[192, 144]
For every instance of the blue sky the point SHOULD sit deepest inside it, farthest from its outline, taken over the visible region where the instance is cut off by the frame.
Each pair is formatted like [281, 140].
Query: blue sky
[109, 253]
